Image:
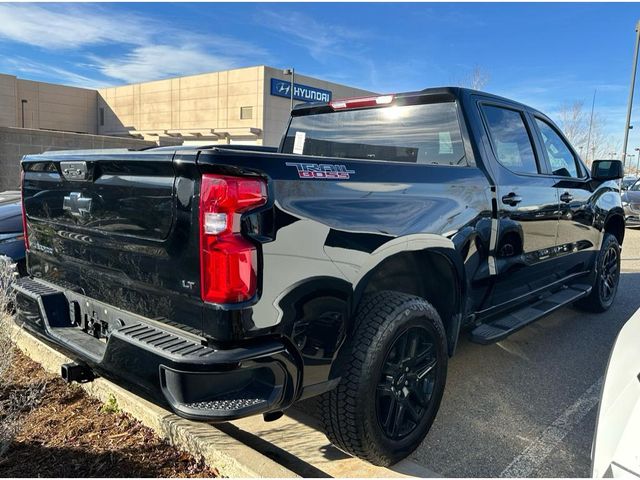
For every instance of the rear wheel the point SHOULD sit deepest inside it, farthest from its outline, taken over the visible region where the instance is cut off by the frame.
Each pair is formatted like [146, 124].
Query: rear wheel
[605, 286]
[393, 375]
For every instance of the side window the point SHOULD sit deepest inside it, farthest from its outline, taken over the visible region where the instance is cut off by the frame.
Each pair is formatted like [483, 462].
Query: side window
[511, 139]
[560, 157]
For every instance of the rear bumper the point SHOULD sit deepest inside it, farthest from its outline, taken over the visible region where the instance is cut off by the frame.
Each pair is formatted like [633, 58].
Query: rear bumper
[167, 366]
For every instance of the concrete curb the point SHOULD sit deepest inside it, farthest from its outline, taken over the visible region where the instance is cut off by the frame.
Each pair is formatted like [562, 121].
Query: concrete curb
[229, 456]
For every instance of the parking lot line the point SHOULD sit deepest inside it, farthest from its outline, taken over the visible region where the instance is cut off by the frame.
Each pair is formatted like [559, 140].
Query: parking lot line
[525, 464]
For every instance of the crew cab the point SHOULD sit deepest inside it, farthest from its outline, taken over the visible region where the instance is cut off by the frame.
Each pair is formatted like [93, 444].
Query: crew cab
[347, 264]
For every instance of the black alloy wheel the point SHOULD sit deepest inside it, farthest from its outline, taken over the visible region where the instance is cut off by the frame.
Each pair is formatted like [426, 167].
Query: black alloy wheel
[607, 277]
[393, 370]
[407, 382]
[609, 273]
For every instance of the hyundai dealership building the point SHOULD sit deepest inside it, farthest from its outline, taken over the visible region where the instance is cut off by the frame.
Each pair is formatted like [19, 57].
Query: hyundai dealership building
[242, 106]
[246, 106]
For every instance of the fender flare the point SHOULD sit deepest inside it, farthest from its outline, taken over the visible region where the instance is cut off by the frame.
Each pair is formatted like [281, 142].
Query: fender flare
[432, 243]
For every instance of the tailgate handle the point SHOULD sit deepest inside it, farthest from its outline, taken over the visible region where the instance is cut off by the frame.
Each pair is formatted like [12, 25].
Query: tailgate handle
[74, 170]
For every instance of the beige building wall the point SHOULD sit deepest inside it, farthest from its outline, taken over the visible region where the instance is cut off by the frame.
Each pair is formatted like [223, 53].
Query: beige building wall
[206, 108]
[197, 109]
[202, 107]
[48, 106]
[8, 98]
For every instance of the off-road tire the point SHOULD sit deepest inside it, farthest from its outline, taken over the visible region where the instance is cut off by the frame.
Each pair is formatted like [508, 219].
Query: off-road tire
[597, 301]
[348, 412]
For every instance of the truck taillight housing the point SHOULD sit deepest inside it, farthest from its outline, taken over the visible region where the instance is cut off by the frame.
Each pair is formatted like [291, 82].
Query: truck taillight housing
[228, 261]
[24, 213]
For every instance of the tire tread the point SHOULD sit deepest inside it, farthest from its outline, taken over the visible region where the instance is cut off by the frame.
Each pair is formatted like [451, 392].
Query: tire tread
[338, 407]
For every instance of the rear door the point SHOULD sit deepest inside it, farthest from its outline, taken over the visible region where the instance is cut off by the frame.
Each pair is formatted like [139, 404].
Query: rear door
[578, 239]
[527, 205]
[109, 224]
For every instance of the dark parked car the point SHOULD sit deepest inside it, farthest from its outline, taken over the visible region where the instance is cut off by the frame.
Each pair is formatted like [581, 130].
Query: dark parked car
[11, 234]
[631, 204]
[231, 282]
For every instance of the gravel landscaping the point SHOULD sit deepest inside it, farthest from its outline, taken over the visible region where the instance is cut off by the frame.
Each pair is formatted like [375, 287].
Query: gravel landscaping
[66, 433]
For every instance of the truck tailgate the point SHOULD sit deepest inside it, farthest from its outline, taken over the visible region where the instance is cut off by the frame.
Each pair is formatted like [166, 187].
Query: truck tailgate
[103, 223]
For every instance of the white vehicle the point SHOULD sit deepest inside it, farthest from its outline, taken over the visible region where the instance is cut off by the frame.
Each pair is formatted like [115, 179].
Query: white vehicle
[616, 445]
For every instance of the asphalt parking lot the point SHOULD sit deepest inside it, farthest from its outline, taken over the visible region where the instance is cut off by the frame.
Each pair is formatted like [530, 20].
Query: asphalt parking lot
[527, 406]
[524, 407]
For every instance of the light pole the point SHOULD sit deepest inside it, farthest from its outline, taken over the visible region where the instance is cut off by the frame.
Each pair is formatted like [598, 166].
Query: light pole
[637, 159]
[292, 71]
[627, 126]
[593, 105]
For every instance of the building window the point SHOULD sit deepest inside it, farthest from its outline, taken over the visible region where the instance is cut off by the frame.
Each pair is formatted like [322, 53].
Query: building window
[101, 117]
[246, 113]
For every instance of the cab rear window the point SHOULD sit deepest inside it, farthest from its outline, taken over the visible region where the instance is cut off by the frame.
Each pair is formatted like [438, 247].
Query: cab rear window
[425, 133]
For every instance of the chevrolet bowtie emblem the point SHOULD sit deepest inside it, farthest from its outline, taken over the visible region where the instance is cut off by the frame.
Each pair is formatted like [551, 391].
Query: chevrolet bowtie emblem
[76, 204]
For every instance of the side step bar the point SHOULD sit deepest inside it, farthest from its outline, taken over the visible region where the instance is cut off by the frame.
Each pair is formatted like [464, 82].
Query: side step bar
[505, 325]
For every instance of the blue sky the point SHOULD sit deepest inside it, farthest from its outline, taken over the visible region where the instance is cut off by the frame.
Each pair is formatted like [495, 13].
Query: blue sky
[546, 55]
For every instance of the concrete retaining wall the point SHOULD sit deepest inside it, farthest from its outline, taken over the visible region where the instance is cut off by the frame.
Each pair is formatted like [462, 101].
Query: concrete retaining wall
[17, 142]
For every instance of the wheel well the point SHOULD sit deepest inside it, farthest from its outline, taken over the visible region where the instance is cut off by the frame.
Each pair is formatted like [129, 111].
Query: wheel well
[426, 274]
[615, 226]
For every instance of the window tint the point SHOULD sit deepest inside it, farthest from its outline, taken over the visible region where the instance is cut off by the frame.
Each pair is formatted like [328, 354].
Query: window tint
[510, 139]
[427, 133]
[560, 157]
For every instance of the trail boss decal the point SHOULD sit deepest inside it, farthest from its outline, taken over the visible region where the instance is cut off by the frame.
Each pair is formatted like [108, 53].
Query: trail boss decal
[322, 171]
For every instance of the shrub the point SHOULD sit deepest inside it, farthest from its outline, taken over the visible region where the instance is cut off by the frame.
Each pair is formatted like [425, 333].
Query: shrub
[15, 400]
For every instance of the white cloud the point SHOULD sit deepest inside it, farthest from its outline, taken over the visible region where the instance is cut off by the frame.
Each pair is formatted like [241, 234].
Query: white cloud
[153, 62]
[152, 49]
[55, 73]
[67, 27]
[322, 40]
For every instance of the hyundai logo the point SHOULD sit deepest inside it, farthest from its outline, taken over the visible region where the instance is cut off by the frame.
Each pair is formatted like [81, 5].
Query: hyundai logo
[284, 88]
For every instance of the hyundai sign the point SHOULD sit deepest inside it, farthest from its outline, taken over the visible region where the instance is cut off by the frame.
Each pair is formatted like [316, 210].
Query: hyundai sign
[282, 88]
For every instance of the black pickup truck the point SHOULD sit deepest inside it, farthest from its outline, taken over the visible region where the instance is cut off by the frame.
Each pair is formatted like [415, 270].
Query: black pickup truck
[346, 264]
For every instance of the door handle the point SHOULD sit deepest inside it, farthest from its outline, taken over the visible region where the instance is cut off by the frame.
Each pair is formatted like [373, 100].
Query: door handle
[511, 199]
[566, 197]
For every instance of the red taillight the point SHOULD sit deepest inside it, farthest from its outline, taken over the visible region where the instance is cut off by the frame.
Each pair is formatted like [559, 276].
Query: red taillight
[361, 102]
[228, 261]
[24, 214]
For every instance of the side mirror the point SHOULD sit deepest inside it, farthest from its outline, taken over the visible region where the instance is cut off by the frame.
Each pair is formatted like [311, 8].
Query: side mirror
[602, 170]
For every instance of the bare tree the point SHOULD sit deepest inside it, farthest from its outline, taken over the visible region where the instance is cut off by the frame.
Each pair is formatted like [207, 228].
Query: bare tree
[576, 122]
[477, 79]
